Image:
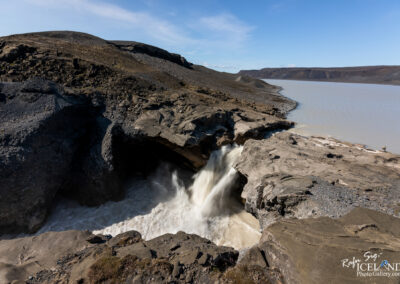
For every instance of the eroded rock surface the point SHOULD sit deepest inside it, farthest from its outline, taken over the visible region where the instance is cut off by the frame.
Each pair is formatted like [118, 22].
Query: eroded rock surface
[40, 131]
[294, 176]
[321, 250]
[104, 110]
[74, 257]
[78, 115]
[21, 258]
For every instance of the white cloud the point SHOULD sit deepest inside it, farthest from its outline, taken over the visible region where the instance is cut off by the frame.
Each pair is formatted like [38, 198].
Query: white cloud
[222, 29]
[227, 28]
[204, 36]
[291, 65]
[154, 27]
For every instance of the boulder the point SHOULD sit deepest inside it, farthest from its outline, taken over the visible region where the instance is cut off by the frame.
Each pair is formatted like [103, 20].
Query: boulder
[124, 239]
[360, 247]
[40, 131]
[254, 256]
[191, 250]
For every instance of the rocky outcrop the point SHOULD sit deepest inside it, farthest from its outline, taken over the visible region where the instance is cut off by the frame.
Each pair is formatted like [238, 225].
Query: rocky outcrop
[57, 142]
[294, 176]
[360, 247]
[194, 129]
[79, 257]
[362, 74]
[40, 131]
[89, 64]
[103, 111]
[137, 47]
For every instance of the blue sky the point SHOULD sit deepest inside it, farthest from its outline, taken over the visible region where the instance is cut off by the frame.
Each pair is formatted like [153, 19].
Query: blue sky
[229, 35]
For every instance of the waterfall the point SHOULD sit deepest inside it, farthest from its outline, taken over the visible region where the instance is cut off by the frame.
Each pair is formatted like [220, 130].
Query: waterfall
[162, 204]
[211, 187]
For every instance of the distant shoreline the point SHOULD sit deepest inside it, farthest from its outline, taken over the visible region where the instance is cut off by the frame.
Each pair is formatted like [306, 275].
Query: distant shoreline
[384, 75]
[331, 81]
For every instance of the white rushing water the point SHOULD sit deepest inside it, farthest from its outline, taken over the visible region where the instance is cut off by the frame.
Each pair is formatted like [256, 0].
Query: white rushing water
[162, 204]
[358, 113]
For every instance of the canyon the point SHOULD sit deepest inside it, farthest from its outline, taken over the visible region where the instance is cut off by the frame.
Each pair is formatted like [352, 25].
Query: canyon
[99, 124]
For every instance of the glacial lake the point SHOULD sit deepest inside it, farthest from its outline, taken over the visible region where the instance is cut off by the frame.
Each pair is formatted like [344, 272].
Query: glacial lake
[367, 114]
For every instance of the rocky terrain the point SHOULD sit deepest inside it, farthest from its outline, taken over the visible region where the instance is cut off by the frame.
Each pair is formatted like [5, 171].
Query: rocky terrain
[79, 115]
[319, 250]
[80, 257]
[364, 74]
[293, 176]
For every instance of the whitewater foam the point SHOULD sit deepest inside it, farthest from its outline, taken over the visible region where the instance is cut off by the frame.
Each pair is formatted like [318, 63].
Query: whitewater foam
[162, 204]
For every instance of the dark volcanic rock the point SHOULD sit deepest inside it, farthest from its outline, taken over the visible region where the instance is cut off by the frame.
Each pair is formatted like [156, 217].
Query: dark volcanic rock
[106, 111]
[319, 250]
[137, 47]
[92, 179]
[294, 176]
[13, 52]
[40, 130]
[51, 142]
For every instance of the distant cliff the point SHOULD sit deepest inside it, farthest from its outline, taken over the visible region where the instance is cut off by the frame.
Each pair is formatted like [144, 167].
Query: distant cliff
[364, 74]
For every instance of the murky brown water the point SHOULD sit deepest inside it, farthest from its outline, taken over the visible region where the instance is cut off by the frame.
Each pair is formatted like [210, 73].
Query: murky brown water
[359, 113]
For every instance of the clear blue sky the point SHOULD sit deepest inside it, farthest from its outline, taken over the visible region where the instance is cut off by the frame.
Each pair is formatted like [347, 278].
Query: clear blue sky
[229, 35]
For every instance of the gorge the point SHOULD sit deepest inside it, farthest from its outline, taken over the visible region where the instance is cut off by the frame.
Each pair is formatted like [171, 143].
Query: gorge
[161, 204]
[123, 163]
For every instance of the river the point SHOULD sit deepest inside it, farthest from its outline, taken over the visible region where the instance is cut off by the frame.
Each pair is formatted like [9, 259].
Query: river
[359, 113]
[163, 203]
